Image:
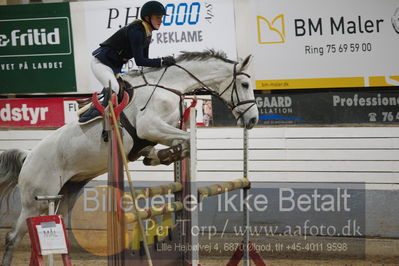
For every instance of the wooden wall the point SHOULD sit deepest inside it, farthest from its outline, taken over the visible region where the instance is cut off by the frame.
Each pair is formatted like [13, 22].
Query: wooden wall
[277, 154]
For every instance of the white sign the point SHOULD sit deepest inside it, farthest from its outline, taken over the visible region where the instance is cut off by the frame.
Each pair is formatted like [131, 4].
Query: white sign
[70, 111]
[189, 26]
[321, 44]
[52, 238]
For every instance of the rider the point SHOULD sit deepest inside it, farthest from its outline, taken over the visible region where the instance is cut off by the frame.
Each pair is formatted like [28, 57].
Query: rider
[131, 41]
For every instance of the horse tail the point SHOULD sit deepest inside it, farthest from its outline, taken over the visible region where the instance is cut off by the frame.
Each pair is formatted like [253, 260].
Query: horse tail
[11, 162]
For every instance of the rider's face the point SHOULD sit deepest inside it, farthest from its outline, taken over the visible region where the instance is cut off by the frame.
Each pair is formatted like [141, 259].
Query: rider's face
[156, 21]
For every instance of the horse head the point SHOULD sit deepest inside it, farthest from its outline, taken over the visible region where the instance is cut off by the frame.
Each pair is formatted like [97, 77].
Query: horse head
[237, 93]
[211, 72]
[224, 79]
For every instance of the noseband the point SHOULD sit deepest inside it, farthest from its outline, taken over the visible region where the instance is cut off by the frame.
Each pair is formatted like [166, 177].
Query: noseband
[234, 91]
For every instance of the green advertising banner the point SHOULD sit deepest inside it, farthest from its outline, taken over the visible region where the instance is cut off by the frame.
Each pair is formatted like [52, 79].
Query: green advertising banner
[36, 51]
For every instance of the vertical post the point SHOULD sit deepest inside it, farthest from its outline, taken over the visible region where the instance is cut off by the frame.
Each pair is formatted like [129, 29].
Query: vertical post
[51, 211]
[247, 260]
[193, 187]
[182, 218]
[118, 136]
[115, 214]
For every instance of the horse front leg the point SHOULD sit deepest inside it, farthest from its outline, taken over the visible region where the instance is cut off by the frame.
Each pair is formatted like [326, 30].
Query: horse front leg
[166, 156]
[176, 139]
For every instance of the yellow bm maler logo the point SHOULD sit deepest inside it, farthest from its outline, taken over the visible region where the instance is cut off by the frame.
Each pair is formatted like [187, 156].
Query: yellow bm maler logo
[271, 32]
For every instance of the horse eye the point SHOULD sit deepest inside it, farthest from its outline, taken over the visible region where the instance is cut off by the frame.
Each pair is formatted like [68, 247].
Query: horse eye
[245, 85]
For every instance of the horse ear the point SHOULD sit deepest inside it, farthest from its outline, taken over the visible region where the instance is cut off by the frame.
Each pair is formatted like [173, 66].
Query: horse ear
[245, 63]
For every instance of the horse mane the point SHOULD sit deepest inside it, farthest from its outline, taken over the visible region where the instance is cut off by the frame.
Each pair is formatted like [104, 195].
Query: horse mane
[204, 55]
[190, 56]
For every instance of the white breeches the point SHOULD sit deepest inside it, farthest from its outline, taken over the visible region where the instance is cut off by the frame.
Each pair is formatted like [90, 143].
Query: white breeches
[104, 74]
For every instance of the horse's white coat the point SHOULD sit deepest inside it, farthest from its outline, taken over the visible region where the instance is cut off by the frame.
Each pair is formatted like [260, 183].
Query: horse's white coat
[78, 153]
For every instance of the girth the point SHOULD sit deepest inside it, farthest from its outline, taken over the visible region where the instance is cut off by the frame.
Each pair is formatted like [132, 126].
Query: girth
[138, 143]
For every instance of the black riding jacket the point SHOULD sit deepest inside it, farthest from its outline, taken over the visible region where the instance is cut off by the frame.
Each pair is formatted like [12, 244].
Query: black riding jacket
[131, 41]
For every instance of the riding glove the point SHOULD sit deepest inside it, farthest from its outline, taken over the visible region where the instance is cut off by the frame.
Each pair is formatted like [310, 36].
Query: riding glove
[168, 61]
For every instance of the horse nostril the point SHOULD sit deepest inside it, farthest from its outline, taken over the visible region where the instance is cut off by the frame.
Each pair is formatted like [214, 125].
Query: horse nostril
[253, 120]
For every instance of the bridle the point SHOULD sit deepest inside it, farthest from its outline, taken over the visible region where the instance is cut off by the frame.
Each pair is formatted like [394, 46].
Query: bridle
[234, 91]
[204, 90]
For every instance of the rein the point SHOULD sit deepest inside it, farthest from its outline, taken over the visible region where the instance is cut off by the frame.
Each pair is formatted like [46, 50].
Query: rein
[155, 87]
[204, 88]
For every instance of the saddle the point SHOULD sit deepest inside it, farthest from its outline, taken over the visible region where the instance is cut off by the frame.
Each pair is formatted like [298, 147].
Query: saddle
[85, 104]
[138, 143]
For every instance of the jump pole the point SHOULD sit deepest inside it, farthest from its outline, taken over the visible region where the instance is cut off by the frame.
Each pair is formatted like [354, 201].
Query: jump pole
[193, 187]
[186, 185]
[186, 174]
[199, 194]
[204, 192]
[246, 257]
[245, 250]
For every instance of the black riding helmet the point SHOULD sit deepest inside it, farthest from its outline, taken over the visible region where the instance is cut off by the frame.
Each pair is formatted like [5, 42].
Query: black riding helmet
[152, 8]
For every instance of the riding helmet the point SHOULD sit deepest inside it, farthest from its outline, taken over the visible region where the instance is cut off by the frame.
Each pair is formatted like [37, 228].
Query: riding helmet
[152, 8]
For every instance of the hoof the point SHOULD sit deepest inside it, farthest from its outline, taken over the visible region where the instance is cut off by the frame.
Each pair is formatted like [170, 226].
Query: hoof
[150, 162]
[171, 154]
[147, 161]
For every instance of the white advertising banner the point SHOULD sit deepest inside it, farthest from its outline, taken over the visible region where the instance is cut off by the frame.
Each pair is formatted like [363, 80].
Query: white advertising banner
[189, 26]
[325, 44]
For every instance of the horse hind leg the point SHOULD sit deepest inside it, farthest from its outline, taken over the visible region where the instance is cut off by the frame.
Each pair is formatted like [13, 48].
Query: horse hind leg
[15, 236]
[70, 192]
[8, 249]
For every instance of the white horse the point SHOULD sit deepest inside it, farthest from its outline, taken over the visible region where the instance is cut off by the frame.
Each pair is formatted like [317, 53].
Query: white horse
[65, 161]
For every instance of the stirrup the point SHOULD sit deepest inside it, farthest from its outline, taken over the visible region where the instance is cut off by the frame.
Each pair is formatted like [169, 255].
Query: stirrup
[89, 116]
[92, 113]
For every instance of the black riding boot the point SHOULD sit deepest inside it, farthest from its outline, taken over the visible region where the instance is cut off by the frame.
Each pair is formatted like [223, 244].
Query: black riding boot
[93, 113]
